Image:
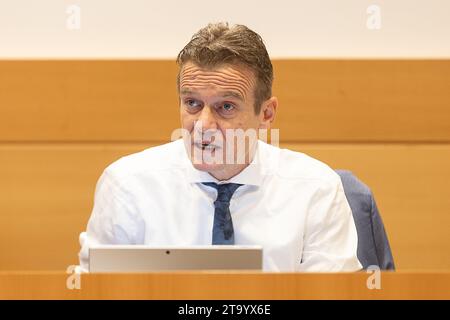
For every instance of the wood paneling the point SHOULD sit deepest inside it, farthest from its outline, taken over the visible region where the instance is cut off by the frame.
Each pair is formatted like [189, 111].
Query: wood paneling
[46, 198]
[62, 122]
[87, 100]
[411, 184]
[225, 286]
[320, 100]
[47, 193]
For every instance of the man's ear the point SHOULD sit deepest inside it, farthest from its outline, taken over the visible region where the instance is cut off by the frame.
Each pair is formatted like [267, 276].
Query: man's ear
[267, 113]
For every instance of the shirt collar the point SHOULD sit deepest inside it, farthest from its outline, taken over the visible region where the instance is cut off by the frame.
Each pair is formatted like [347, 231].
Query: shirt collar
[251, 175]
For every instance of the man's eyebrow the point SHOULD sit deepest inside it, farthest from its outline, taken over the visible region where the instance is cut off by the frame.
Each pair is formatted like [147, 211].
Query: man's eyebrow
[186, 91]
[223, 94]
[233, 94]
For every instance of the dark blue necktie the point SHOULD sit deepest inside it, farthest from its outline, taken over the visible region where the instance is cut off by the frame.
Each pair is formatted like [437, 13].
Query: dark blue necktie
[223, 232]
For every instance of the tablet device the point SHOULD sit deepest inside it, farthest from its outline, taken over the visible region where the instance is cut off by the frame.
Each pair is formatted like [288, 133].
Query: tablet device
[142, 258]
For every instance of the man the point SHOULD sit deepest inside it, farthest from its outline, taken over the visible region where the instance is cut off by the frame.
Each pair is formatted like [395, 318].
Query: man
[209, 189]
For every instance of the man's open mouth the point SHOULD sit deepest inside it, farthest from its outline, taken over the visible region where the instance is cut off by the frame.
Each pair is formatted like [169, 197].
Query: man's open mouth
[205, 145]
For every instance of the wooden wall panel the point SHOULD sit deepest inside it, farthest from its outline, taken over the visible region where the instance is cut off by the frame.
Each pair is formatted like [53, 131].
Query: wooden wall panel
[320, 100]
[47, 193]
[363, 101]
[62, 122]
[46, 197]
[87, 100]
[411, 184]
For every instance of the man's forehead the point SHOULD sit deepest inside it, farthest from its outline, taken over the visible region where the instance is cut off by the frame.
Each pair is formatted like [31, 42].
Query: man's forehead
[235, 69]
[233, 80]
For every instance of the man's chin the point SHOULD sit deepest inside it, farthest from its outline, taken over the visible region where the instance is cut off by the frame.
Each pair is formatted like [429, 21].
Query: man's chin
[208, 167]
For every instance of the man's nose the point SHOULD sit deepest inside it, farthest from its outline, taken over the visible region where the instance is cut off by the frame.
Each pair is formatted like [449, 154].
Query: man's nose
[207, 118]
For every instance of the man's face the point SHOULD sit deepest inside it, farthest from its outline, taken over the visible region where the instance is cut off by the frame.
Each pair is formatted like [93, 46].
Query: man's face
[214, 102]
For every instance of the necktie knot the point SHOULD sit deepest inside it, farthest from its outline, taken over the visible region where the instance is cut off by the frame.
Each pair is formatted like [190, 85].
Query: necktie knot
[224, 191]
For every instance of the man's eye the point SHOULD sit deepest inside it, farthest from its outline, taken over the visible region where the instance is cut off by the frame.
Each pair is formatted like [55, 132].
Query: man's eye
[227, 107]
[192, 103]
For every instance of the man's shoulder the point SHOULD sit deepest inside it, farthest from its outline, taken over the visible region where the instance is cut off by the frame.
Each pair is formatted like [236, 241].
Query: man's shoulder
[298, 165]
[162, 157]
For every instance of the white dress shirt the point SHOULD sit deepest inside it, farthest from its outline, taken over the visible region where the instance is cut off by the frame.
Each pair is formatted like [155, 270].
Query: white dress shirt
[291, 204]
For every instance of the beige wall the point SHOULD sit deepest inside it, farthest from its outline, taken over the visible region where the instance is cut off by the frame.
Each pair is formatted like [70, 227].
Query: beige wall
[159, 29]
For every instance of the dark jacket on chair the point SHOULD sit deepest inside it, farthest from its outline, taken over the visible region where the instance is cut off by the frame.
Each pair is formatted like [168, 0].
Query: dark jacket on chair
[373, 244]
